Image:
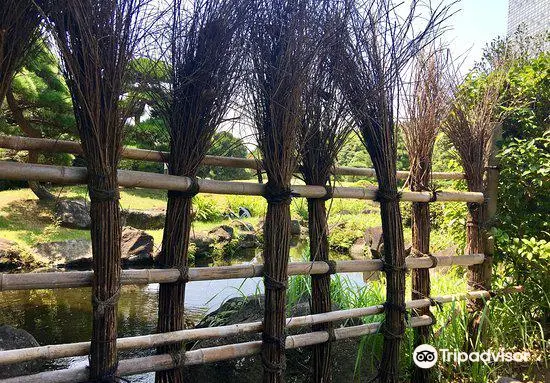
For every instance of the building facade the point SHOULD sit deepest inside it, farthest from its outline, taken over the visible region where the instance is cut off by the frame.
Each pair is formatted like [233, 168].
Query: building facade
[533, 16]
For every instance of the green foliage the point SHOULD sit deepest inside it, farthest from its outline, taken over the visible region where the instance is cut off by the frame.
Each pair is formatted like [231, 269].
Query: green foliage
[206, 209]
[523, 230]
[225, 144]
[41, 92]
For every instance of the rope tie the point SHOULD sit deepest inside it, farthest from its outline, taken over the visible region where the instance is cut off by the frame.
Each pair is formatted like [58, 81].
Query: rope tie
[383, 195]
[394, 306]
[110, 376]
[274, 284]
[280, 342]
[178, 357]
[184, 274]
[433, 197]
[101, 305]
[192, 191]
[331, 266]
[278, 195]
[389, 268]
[273, 367]
[417, 253]
[329, 193]
[390, 335]
[101, 195]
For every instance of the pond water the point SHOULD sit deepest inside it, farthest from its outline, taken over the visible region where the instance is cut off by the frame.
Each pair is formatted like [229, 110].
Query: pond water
[64, 315]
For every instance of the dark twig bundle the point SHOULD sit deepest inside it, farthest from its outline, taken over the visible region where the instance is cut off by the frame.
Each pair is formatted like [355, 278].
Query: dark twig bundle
[280, 55]
[324, 132]
[19, 29]
[96, 39]
[204, 41]
[427, 106]
[379, 44]
[471, 126]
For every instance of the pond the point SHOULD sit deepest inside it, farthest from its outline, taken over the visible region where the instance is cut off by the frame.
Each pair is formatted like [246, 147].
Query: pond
[64, 315]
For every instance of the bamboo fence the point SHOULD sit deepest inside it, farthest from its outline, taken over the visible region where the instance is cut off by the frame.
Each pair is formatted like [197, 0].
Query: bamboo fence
[59, 280]
[54, 280]
[126, 178]
[134, 366]
[155, 340]
[72, 147]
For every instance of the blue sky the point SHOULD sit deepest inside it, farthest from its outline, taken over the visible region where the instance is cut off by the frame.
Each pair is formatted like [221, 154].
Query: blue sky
[476, 24]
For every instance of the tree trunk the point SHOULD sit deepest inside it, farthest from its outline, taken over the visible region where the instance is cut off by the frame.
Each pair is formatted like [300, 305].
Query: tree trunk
[320, 287]
[106, 235]
[394, 257]
[171, 313]
[276, 254]
[40, 191]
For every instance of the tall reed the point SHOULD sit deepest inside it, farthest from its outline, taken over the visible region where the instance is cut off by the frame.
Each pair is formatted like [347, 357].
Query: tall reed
[280, 55]
[376, 46]
[96, 40]
[204, 40]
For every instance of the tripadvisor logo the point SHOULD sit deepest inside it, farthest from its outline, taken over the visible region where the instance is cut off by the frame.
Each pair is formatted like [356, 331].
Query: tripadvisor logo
[425, 356]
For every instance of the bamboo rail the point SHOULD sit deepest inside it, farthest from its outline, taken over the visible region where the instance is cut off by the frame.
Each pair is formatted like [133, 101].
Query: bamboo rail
[134, 366]
[155, 340]
[58, 280]
[127, 178]
[72, 147]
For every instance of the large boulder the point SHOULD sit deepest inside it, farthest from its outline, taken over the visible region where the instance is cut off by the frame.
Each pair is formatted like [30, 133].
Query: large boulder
[145, 219]
[136, 246]
[223, 233]
[10, 255]
[74, 214]
[12, 338]
[249, 369]
[248, 240]
[71, 254]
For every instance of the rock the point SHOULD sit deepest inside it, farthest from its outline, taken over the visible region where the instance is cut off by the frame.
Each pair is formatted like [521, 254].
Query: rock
[136, 246]
[374, 238]
[248, 240]
[295, 227]
[203, 245]
[74, 214]
[74, 253]
[10, 256]
[358, 250]
[241, 225]
[249, 369]
[12, 338]
[145, 219]
[223, 233]
[345, 212]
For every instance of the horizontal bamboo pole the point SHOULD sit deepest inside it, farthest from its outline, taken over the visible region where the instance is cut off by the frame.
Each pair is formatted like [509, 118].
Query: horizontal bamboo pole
[74, 175]
[62, 146]
[59, 280]
[155, 340]
[206, 355]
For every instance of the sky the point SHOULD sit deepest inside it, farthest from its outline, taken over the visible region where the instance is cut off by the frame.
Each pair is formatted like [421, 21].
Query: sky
[476, 23]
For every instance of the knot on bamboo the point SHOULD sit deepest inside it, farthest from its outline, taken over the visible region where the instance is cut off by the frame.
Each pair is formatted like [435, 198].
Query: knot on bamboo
[98, 194]
[390, 268]
[178, 357]
[277, 195]
[192, 191]
[100, 305]
[386, 195]
[331, 267]
[417, 253]
[274, 284]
